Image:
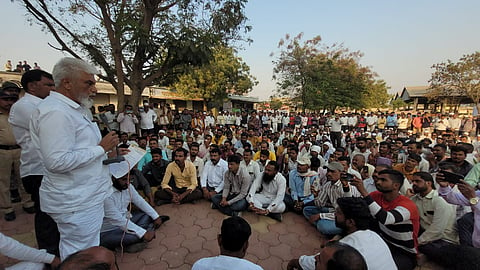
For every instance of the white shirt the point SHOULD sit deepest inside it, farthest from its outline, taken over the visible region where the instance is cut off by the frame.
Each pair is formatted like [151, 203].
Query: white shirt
[75, 178]
[372, 247]
[12, 248]
[371, 120]
[147, 119]
[253, 168]
[209, 120]
[223, 262]
[163, 142]
[20, 114]
[199, 164]
[127, 122]
[352, 120]
[116, 213]
[213, 175]
[111, 117]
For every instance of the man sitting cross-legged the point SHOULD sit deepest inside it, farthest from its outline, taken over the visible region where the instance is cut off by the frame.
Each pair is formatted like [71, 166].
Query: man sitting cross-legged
[154, 170]
[213, 173]
[300, 181]
[122, 228]
[353, 216]
[267, 192]
[237, 182]
[437, 217]
[396, 215]
[233, 242]
[179, 184]
[322, 213]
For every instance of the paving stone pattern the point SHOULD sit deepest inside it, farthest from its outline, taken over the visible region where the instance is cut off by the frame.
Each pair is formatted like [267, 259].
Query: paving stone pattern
[191, 234]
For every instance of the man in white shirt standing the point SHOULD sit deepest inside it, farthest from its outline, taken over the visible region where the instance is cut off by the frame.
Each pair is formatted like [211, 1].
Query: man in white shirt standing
[37, 85]
[76, 182]
[213, 173]
[127, 120]
[147, 118]
[111, 117]
[233, 242]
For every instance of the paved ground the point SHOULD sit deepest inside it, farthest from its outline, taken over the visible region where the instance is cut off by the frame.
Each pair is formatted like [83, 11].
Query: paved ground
[192, 233]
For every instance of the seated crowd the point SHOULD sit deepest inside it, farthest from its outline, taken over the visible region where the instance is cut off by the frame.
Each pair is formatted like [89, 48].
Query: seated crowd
[371, 192]
[383, 199]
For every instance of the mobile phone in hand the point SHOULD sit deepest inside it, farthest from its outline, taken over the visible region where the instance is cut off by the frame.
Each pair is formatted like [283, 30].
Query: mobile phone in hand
[450, 177]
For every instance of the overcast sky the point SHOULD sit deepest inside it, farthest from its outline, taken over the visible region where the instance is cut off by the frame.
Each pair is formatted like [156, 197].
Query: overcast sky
[400, 40]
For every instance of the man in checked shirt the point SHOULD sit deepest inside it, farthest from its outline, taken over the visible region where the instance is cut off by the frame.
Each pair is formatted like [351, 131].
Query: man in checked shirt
[322, 215]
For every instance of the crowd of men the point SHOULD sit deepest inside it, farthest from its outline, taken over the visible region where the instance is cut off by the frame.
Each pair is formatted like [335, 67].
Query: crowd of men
[20, 67]
[392, 189]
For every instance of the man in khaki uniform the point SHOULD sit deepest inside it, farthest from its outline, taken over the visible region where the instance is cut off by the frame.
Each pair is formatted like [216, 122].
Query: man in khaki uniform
[9, 150]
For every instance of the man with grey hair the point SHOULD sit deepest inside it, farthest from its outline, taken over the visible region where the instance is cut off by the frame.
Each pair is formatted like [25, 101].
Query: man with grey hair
[76, 182]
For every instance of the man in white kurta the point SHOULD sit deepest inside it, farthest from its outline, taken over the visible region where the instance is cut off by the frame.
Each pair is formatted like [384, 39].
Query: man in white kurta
[267, 192]
[76, 182]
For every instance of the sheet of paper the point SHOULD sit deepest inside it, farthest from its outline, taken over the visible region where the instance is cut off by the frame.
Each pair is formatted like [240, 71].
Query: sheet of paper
[131, 159]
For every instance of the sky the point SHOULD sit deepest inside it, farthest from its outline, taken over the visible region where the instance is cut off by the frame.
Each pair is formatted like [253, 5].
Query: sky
[400, 40]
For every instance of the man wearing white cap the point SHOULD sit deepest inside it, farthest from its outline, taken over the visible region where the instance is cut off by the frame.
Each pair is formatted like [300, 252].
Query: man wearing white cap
[300, 181]
[315, 151]
[163, 140]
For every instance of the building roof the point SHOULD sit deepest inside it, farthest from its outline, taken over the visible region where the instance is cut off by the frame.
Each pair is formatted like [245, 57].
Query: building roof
[243, 98]
[411, 92]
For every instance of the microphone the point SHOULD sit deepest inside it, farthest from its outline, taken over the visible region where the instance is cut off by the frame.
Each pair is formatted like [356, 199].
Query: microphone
[117, 159]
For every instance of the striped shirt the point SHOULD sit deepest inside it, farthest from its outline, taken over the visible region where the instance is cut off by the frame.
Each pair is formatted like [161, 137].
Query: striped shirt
[330, 192]
[398, 220]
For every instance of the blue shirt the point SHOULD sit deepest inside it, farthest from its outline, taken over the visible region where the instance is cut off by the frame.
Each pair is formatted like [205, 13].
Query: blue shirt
[296, 183]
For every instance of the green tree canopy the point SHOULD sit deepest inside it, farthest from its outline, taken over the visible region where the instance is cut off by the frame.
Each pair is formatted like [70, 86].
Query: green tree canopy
[376, 95]
[324, 77]
[226, 73]
[457, 78]
[140, 42]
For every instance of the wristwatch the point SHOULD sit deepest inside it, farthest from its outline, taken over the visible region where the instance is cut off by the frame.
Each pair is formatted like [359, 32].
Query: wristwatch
[474, 201]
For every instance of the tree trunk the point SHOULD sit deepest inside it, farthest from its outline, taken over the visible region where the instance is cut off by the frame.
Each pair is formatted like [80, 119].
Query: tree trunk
[135, 97]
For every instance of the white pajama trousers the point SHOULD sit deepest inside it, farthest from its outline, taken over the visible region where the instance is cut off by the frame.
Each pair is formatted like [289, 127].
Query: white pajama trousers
[259, 201]
[79, 230]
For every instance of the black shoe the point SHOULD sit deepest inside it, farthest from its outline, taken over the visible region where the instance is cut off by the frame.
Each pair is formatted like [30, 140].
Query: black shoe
[10, 216]
[213, 206]
[276, 216]
[29, 210]
[15, 196]
[164, 218]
